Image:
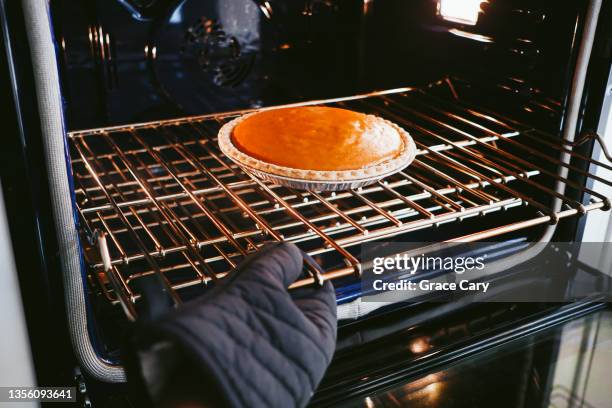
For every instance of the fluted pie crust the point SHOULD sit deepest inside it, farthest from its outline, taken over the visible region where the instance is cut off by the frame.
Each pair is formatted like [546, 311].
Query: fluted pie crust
[373, 127]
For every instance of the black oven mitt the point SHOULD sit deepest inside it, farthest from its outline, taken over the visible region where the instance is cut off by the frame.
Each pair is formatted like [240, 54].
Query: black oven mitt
[248, 343]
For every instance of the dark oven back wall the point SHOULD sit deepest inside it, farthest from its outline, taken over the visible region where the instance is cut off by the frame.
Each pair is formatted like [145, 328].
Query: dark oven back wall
[523, 44]
[161, 59]
[200, 56]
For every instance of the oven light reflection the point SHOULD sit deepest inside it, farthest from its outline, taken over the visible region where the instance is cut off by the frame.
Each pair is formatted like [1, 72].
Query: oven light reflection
[470, 36]
[433, 390]
[419, 345]
[150, 52]
[177, 16]
[266, 9]
[423, 392]
[460, 11]
[432, 386]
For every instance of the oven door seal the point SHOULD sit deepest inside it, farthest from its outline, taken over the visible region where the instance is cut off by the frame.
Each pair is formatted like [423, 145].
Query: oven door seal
[42, 49]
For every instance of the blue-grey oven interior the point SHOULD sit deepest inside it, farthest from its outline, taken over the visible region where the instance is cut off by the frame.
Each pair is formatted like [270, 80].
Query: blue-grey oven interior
[130, 95]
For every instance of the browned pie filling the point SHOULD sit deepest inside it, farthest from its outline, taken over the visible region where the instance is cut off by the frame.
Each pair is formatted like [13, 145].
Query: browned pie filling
[317, 138]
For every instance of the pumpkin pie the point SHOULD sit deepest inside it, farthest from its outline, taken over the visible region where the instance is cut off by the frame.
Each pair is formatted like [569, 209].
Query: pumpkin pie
[317, 144]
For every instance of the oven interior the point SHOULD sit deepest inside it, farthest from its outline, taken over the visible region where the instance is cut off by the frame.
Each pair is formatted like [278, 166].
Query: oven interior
[146, 86]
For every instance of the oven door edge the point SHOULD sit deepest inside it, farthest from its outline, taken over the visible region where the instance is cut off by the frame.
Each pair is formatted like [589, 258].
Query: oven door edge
[48, 97]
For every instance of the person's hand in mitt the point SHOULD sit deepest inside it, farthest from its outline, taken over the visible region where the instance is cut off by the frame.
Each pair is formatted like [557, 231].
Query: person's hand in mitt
[248, 343]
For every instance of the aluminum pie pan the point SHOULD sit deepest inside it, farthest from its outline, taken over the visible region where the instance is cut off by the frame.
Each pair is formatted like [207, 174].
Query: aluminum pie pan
[312, 183]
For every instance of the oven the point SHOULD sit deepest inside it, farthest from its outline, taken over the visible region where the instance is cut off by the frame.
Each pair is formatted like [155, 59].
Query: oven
[117, 191]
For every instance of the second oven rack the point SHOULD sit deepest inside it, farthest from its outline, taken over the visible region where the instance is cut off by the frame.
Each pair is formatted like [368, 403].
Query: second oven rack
[160, 198]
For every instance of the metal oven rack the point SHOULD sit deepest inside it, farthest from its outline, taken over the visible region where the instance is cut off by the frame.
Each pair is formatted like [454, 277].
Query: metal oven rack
[160, 198]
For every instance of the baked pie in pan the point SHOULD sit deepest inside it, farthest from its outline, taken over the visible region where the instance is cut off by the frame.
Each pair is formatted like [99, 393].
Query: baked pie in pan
[317, 148]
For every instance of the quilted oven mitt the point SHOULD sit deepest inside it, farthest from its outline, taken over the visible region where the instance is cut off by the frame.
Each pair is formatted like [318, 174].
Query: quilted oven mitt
[248, 343]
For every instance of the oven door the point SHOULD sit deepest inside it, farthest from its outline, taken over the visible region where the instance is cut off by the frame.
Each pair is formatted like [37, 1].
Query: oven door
[560, 365]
